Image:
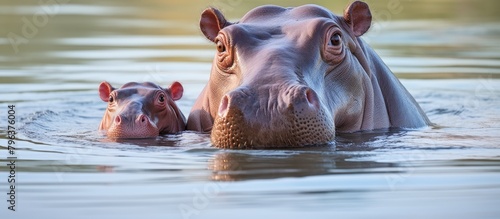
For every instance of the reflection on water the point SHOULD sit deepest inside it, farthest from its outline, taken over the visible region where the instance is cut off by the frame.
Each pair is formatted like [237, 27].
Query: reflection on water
[231, 166]
[447, 53]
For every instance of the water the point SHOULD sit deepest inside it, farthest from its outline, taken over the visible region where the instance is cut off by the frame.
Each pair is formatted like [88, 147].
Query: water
[445, 52]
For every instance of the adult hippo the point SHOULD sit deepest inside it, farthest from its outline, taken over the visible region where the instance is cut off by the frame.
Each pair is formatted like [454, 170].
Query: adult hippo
[141, 110]
[291, 77]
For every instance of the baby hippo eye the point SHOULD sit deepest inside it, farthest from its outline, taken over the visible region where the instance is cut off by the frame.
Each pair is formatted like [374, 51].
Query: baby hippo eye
[161, 98]
[335, 39]
[111, 99]
[220, 47]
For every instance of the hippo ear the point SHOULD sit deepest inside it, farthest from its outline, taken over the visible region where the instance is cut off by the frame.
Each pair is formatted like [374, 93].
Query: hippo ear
[211, 22]
[359, 17]
[105, 89]
[176, 90]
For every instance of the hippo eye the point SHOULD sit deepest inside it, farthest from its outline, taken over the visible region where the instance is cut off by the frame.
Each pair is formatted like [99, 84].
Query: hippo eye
[220, 47]
[333, 50]
[111, 99]
[224, 55]
[161, 98]
[335, 39]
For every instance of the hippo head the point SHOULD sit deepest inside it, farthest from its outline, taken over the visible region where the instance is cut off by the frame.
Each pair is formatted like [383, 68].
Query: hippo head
[289, 77]
[141, 110]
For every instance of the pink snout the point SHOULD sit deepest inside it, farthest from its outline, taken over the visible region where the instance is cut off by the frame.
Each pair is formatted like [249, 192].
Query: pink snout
[141, 120]
[139, 126]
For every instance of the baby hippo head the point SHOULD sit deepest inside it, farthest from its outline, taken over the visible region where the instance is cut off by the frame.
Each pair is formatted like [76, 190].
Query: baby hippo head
[141, 110]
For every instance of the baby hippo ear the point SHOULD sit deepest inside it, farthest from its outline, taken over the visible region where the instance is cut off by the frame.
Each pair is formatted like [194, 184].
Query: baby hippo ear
[176, 90]
[105, 89]
[359, 17]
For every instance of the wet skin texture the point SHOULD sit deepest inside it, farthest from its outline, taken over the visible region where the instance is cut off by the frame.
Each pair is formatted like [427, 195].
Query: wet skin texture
[292, 77]
[141, 110]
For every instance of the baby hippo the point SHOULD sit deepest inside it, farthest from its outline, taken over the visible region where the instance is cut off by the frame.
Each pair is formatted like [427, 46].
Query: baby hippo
[141, 110]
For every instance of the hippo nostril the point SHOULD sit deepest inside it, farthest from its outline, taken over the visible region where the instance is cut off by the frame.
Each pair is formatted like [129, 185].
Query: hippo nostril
[312, 98]
[223, 106]
[118, 119]
[142, 119]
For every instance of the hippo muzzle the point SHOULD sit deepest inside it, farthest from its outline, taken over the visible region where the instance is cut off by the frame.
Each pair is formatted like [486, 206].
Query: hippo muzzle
[132, 121]
[293, 77]
[289, 117]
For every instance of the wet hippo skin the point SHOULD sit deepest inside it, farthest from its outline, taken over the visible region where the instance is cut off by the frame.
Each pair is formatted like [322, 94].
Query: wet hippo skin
[141, 110]
[293, 77]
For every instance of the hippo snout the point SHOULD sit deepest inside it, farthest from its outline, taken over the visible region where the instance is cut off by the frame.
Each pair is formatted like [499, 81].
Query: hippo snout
[132, 126]
[139, 121]
[288, 117]
[303, 97]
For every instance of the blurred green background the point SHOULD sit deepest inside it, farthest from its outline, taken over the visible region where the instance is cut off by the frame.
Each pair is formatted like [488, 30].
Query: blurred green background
[443, 28]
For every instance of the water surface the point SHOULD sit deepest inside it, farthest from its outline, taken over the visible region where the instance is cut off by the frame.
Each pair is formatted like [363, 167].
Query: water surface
[445, 52]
